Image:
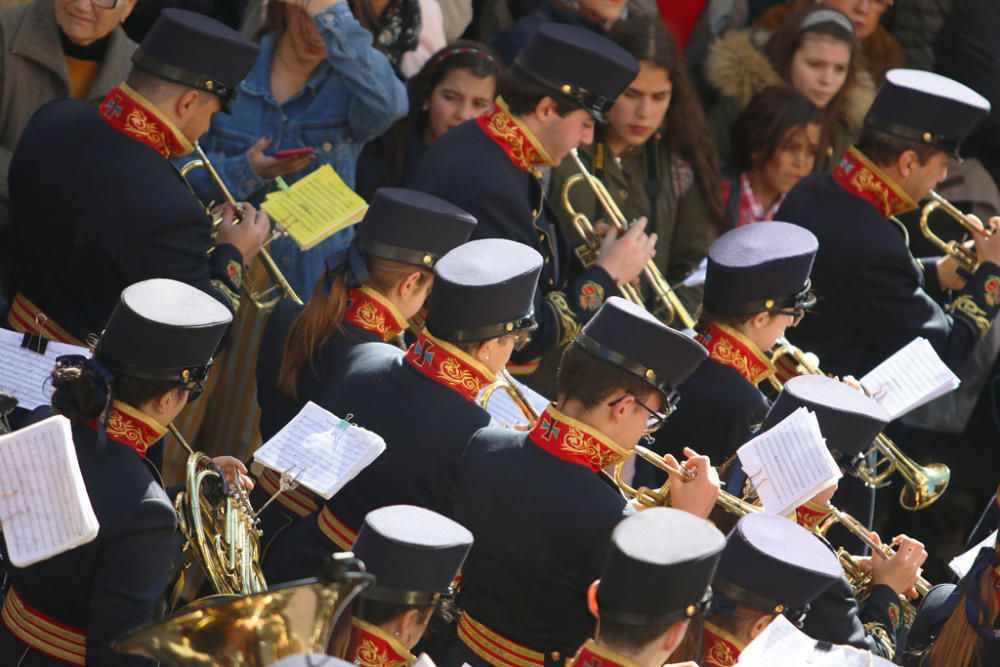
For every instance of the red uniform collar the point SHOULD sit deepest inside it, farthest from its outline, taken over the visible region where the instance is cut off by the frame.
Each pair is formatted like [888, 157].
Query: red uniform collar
[811, 514]
[132, 427]
[514, 137]
[731, 348]
[449, 366]
[369, 310]
[592, 654]
[722, 649]
[573, 441]
[371, 646]
[862, 178]
[134, 116]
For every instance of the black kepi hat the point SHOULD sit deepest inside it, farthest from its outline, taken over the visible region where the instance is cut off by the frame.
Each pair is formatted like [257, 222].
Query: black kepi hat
[927, 108]
[760, 267]
[484, 289]
[412, 227]
[627, 336]
[578, 64]
[772, 564]
[413, 552]
[848, 419]
[197, 51]
[163, 330]
[661, 563]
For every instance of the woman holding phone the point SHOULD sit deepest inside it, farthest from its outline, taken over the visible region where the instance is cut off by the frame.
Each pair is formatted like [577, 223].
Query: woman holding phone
[317, 93]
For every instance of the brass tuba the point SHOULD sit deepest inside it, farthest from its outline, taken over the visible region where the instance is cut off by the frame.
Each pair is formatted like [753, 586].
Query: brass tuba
[254, 630]
[506, 384]
[667, 302]
[922, 484]
[966, 256]
[264, 299]
[660, 497]
[219, 526]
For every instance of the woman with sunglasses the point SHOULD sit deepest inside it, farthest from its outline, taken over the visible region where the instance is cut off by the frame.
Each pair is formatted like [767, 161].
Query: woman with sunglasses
[756, 286]
[152, 359]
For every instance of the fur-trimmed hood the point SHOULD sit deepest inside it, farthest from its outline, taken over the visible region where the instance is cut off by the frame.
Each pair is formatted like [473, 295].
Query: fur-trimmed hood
[738, 68]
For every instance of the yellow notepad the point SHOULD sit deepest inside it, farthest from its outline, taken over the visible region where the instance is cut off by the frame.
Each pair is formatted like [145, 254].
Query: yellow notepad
[315, 207]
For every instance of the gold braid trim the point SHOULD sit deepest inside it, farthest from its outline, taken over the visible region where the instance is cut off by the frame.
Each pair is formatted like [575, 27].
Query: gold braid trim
[881, 635]
[232, 297]
[569, 326]
[967, 305]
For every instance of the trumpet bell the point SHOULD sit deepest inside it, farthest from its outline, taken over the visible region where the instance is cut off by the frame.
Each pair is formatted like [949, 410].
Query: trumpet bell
[251, 631]
[929, 487]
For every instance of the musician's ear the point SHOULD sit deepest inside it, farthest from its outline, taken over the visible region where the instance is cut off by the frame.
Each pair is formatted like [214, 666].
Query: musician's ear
[760, 320]
[758, 625]
[906, 161]
[592, 597]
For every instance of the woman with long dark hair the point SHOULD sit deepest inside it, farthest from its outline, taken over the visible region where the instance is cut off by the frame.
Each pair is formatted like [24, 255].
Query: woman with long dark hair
[457, 84]
[654, 155]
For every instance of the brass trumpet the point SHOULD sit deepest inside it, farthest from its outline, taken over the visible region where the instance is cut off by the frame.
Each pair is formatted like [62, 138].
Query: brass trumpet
[666, 298]
[506, 384]
[264, 299]
[923, 485]
[859, 577]
[966, 257]
[660, 497]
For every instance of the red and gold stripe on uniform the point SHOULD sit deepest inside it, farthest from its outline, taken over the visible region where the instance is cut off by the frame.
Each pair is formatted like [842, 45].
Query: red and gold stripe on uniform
[26, 317]
[495, 649]
[42, 632]
[335, 530]
[298, 501]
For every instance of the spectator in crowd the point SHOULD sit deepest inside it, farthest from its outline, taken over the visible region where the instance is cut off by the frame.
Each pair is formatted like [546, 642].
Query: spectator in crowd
[395, 25]
[456, 85]
[915, 24]
[775, 141]
[654, 155]
[318, 84]
[882, 51]
[814, 51]
[430, 39]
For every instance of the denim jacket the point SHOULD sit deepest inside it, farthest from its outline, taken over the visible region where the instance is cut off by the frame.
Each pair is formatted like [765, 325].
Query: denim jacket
[351, 98]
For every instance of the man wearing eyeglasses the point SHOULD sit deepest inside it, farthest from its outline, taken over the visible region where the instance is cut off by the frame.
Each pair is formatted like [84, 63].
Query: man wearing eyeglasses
[756, 287]
[541, 511]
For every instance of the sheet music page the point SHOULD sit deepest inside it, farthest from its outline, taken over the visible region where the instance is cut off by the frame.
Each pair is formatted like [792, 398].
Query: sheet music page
[24, 373]
[789, 463]
[783, 644]
[322, 451]
[909, 378]
[44, 506]
[506, 414]
[697, 277]
[962, 563]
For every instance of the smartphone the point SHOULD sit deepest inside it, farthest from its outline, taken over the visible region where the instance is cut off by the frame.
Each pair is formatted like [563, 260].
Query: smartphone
[294, 152]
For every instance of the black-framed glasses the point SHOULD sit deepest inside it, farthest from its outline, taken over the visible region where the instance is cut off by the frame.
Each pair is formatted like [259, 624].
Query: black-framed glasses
[521, 339]
[655, 421]
[795, 313]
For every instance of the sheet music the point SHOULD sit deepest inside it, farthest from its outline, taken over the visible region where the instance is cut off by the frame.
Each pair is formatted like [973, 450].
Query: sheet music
[24, 373]
[962, 563]
[783, 644]
[322, 451]
[44, 506]
[789, 463]
[506, 414]
[909, 378]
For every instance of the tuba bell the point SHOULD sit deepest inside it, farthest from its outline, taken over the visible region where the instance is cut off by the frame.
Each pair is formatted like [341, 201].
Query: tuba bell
[966, 257]
[264, 299]
[923, 485]
[667, 303]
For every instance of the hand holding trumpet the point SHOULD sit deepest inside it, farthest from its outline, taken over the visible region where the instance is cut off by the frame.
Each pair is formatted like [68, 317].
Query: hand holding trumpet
[699, 488]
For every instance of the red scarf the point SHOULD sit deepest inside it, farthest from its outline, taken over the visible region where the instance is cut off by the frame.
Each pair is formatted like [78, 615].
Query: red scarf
[449, 366]
[516, 140]
[731, 348]
[131, 427]
[592, 654]
[371, 646]
[862, 178]
[369, 310]
[570, 440]
[721, 648]
[134, 116]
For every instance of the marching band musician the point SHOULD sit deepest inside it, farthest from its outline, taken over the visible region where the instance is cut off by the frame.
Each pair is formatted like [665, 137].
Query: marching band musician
[415, 554]
[495, 167]
[152, 359]
[656, 580]
[850, 421]
[367, 294]
[423, 401]
[125, 214]
[770, 566]
[875, 296]
[756, 286]
[525, 581]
